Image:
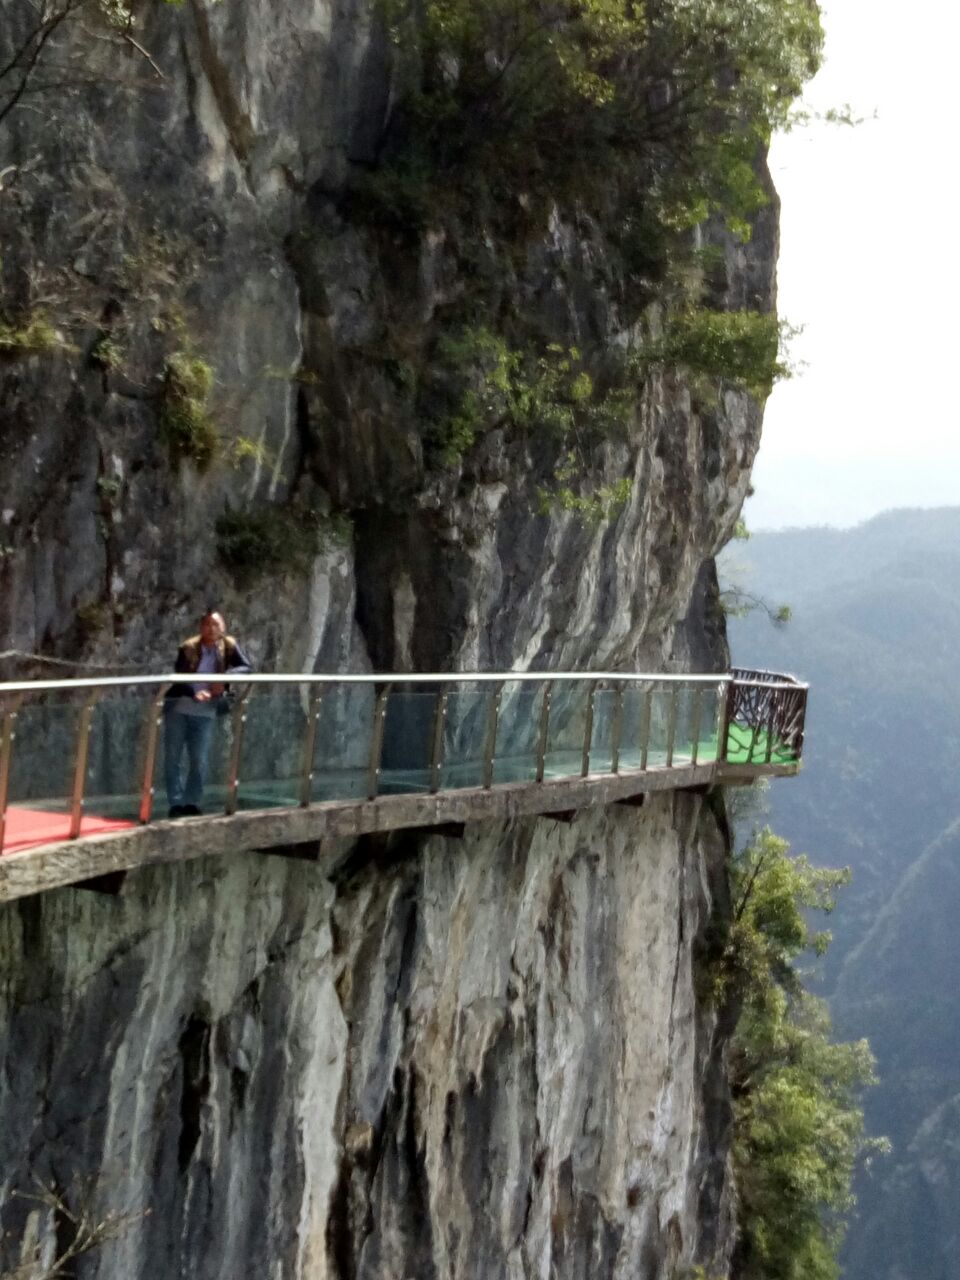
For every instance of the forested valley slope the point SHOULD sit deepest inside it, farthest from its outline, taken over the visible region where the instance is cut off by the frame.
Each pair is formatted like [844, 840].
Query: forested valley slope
[874, 627]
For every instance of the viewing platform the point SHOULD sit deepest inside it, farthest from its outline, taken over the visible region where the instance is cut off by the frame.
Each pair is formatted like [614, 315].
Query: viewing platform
[302, 758]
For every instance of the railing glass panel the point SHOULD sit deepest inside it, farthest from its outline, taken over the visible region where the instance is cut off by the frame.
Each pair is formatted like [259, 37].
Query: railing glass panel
[633, 719]
[570, 711]
[42, 764]
[465, 732]
[605, 728]
[711, 705]
[408, 732]
[271, 762]
[342, 741]
[116, 755]
[518, 732]
[662, 727]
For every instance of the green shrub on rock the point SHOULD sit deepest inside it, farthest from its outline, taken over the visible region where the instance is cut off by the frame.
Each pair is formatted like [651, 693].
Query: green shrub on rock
[34, 335]
[275, 540]
[185, 421]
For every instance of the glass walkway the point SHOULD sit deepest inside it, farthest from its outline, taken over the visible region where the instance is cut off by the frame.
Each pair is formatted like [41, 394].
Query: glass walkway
[83, 758]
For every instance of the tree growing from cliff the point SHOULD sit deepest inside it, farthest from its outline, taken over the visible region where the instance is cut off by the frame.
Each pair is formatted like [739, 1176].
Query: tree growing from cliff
[31, 61]
[78, 1225]
[798, 1124]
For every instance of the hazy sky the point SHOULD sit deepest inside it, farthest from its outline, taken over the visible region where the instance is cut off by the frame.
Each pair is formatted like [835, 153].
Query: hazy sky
[869, 265]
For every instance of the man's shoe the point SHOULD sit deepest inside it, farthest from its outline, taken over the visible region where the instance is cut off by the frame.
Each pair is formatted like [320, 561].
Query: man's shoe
[191, 811]
[176, 811]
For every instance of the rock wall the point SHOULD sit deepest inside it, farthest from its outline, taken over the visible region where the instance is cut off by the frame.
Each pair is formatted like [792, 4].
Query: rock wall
[204, 213]
[477, 1058]
[458, 1058]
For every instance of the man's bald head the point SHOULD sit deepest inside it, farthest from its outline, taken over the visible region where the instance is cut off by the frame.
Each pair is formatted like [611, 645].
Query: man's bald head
[212, 627]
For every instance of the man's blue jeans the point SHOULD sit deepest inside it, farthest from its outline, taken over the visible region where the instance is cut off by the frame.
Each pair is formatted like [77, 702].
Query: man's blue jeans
[193, 734]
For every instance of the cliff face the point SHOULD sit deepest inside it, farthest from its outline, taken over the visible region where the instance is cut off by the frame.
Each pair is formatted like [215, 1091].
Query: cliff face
[203, 215]
[453, 1058]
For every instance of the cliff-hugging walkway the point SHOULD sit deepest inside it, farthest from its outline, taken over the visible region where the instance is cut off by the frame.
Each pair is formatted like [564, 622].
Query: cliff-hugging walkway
[299, 758]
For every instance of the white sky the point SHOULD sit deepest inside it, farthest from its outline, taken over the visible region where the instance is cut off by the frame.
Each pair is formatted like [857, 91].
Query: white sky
[870, 266]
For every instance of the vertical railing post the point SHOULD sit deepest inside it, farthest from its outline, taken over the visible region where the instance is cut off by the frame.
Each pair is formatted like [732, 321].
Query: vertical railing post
[588, 730]
[616, 729]
[490, 738]
[695, 726]
[771, 725]
[7, 735]
[672, 723]
[544, 730]
[233, 777]
[154, 720]
[436, 749]
[645, 716]
[726, 717]
[376, 742]
[80, 762]
[309, 744]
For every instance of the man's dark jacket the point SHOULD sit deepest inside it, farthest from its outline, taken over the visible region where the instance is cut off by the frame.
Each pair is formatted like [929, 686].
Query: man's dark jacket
[230, 658]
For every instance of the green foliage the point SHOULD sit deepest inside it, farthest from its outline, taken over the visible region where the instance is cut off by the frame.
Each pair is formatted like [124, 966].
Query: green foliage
[738, 603]
[275, 540]
[482, 383]
[185, 422]
[798, 1124]
[741, 347]
[488, 384]
[91, 620]
[245, 449]
[675, 97]
[107, 353]
[35, 334]
[592, 507]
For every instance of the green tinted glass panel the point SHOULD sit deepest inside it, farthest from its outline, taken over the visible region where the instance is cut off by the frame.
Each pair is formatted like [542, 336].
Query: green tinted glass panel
[407, 740]
[518, 732]
[116, 756]
[465, 735]
[271, 754]
[341, 752]
[569, 703]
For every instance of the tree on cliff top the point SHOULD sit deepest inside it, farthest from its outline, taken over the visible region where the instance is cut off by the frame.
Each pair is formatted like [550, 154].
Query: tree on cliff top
[682, 93]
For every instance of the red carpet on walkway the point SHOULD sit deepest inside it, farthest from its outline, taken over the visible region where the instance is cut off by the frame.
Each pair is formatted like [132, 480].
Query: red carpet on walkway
[27, 828]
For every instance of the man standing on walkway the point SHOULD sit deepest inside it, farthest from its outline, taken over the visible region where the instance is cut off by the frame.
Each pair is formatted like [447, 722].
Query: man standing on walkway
[191, 711]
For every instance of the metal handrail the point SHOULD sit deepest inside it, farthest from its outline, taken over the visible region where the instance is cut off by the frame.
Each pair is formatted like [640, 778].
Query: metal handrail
[366, 677]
